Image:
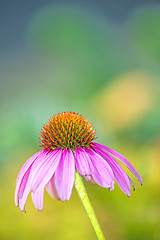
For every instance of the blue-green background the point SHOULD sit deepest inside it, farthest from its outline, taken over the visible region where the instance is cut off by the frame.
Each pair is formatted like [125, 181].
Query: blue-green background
[97, 58]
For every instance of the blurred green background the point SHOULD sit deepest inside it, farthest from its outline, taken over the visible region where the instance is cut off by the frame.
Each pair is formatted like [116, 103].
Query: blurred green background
[97, 58]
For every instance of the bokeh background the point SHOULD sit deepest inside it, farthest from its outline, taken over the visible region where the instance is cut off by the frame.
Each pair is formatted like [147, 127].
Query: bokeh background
[102, 60]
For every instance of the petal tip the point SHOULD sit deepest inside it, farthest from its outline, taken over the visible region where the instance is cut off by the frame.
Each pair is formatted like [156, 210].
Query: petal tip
[22, 210]
[128, 194]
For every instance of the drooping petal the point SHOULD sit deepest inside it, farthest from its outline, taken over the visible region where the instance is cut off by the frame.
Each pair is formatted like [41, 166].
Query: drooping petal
[83, 163]
[19, 193]
[37, 198]
[32, 173]
[43, 172]
[28, 163]
[65, 175]
[120, 175]
[20, 183]
[51, 189]
[23, 194]
[111, 188]
[120, 158]
[102, 174]
[132, 183]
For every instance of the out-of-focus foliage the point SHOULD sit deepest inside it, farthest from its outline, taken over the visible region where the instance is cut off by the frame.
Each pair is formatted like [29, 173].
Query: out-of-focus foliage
[69, 31]
[79, 40]
[145, 31]
[78, 61]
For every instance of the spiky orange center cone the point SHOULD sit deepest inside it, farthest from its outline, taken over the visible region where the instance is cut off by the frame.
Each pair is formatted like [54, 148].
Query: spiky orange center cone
[67, 130]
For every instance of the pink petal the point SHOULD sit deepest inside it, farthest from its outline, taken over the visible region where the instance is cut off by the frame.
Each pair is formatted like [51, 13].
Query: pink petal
[51, 189]
[23, 194]
[90, 179]
[37, 198]
[120, 175]
[111, 188]
[40, 160]
[65, 175]
[83, 163]
[120, 158]
[22, 173]
[28, 163]
[22, 189]
[102, 174]
[132, 183]
[44, 171]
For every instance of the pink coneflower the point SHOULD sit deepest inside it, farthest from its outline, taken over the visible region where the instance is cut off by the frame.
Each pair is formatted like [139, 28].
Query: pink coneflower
[67, 141]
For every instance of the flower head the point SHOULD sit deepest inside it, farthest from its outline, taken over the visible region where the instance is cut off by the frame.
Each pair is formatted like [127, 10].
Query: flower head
[67, 130]
[68, 145]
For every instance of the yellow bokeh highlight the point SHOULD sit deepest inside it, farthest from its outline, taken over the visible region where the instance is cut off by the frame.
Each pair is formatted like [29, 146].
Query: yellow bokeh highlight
[125, 101]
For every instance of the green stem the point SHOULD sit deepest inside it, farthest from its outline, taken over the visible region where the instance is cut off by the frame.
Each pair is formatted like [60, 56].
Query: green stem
[87, 206]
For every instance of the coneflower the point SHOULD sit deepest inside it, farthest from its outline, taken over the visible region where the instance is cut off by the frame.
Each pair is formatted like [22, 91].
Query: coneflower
[69, 148]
